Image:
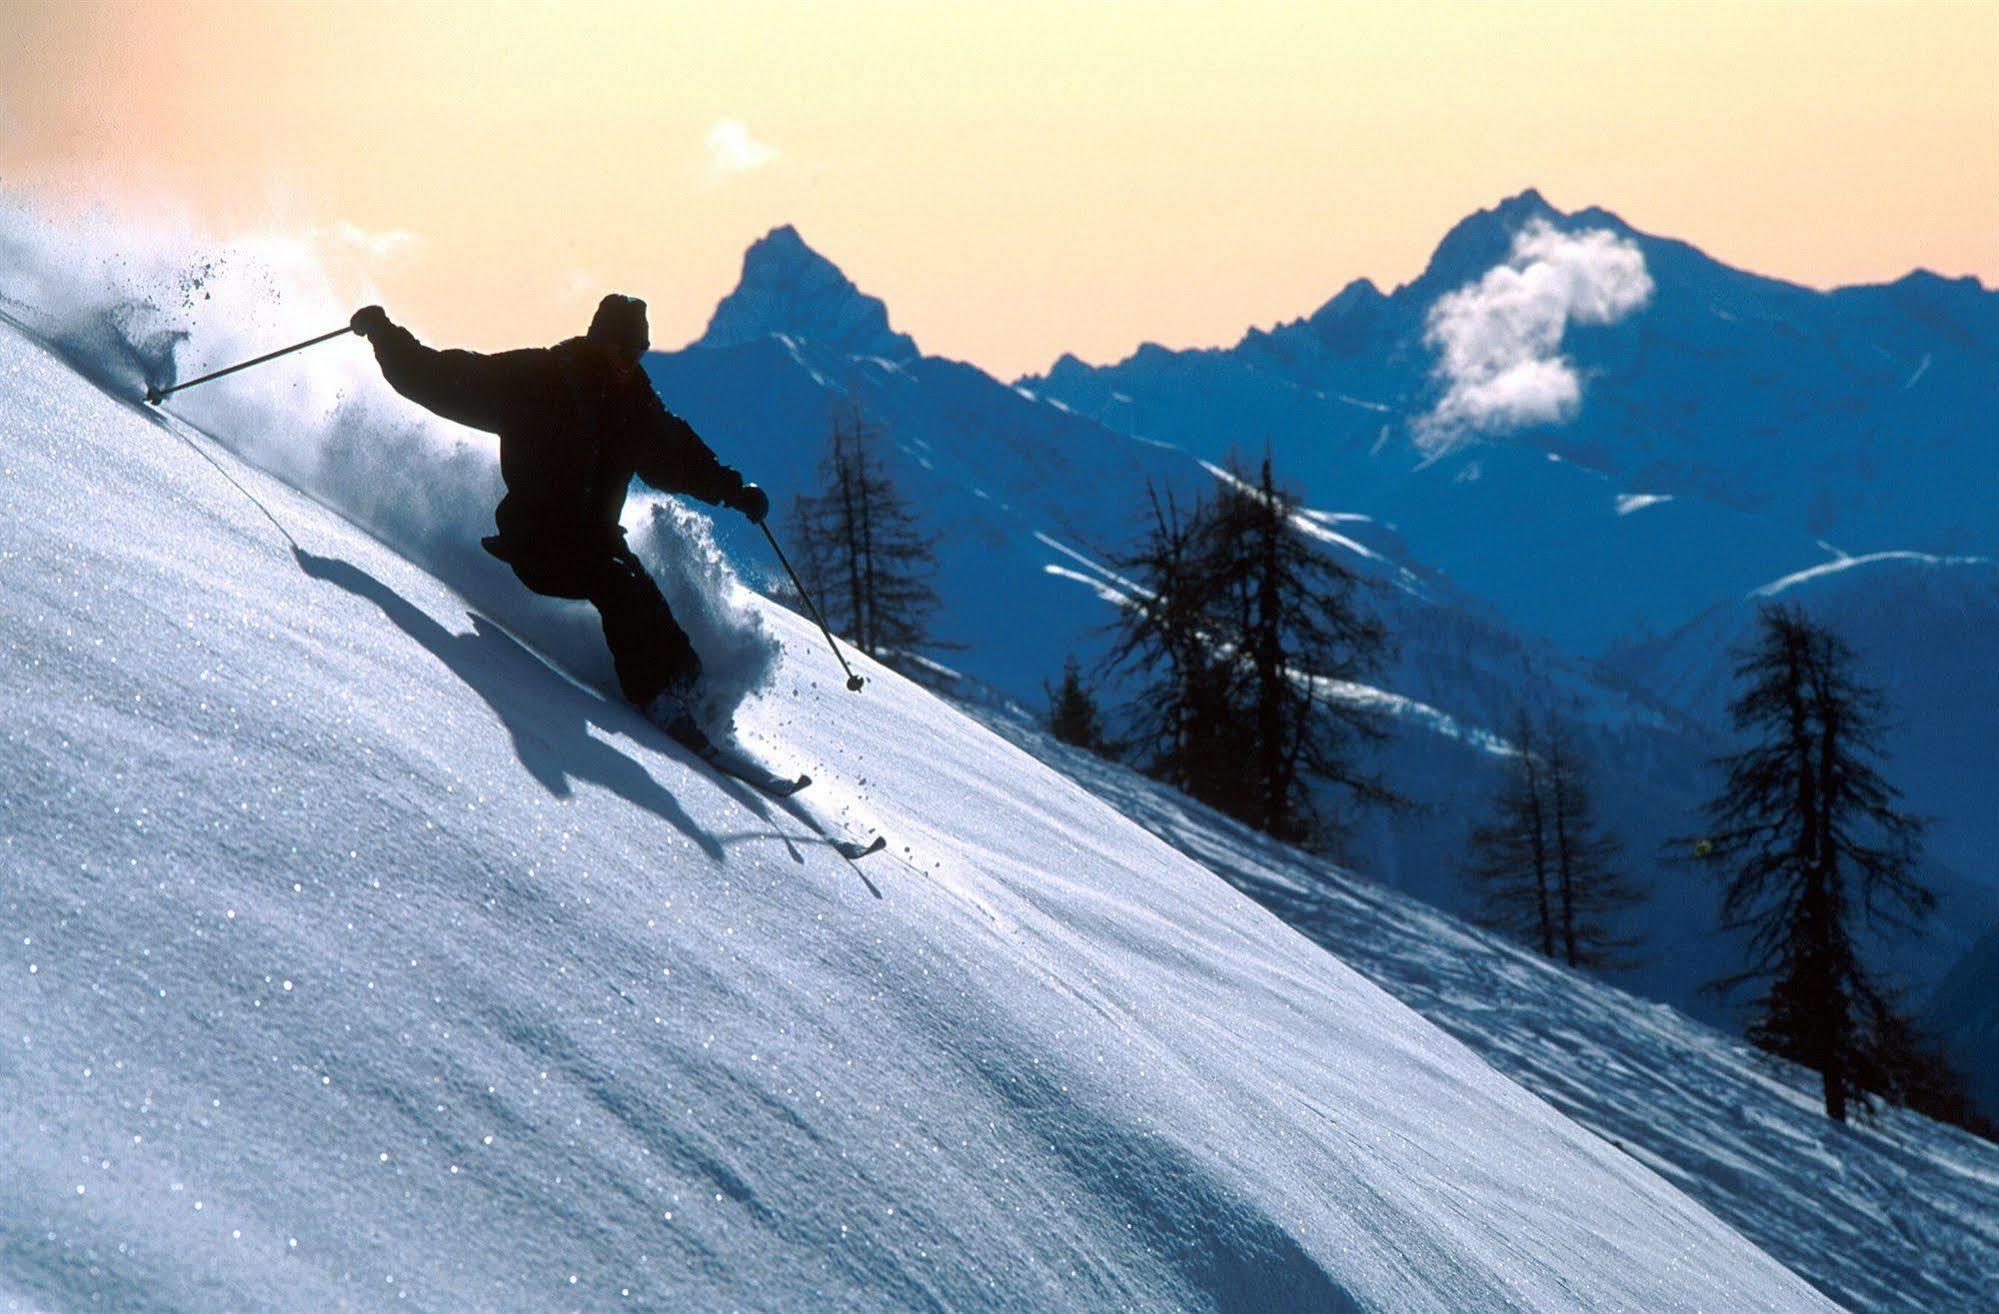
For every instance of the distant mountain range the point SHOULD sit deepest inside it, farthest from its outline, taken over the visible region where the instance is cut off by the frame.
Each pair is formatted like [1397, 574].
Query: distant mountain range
[1571, 455]
[1728, 430]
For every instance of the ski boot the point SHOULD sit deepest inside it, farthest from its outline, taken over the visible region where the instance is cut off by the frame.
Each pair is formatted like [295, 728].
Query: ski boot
[672, 711]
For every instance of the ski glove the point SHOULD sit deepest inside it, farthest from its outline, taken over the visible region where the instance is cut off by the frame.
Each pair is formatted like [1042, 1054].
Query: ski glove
[753, 502]
[368, 321]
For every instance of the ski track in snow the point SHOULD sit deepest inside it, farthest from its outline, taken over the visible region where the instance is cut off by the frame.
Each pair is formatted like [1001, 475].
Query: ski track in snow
[355, 960]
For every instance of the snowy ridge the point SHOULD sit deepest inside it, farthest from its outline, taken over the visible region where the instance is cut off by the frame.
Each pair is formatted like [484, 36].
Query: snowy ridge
[1844, 563]
[357, 959]
[1772, 415]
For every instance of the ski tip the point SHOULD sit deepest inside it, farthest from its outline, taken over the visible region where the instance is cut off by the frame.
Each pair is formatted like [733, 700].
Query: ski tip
[782, 788]
[855, 851]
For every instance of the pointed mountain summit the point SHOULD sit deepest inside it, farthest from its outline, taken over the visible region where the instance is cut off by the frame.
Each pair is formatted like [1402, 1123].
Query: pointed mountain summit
[1483, 238]
[1345, 323]
[789, 288]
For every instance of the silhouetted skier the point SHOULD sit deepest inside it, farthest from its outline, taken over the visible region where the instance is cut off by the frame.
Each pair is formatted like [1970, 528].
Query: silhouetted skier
[576, 422]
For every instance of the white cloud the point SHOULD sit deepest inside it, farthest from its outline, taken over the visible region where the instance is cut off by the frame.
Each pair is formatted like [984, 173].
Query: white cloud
[384, 245]
[731, 149]
[350, 248]
[1499, 340]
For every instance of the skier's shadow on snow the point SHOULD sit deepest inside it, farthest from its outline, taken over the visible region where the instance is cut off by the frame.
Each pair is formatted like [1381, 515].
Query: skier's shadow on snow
[550, 727]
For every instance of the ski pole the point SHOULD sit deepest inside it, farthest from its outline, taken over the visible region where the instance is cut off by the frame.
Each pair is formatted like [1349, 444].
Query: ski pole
[854, 682]
[154, 396]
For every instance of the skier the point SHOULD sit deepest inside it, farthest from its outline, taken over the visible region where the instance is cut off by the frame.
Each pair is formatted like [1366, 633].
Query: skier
[576, 422]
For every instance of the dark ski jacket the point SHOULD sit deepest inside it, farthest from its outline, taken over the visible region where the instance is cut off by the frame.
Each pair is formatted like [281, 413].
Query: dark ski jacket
[572, 436]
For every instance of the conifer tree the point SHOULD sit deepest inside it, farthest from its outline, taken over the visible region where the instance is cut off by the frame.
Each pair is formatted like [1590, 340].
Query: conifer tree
[1812, 845]
[1249, 642]
[1298, 640]
[1543, 867]
[1508, 865]
[862, 551]
[1162, 635]
[1073, 714]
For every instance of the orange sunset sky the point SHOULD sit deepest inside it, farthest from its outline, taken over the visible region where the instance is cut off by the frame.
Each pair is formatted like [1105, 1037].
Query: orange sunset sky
[1017, 179]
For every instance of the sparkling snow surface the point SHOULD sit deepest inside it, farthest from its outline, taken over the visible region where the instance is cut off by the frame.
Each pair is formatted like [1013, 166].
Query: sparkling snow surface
[1900, 1213]
[351, 958]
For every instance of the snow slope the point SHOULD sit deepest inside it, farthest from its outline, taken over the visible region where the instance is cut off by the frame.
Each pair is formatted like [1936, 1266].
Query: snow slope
[355, 958]
[1901, 1214]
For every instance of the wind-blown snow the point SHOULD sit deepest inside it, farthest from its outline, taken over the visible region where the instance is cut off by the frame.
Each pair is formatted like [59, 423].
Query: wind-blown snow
[354, 958]
[169, 302]
[1499, 340]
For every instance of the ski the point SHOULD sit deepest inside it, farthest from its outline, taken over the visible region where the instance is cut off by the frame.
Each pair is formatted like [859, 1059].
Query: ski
[732, 761]
[854, 850]
[760, 778]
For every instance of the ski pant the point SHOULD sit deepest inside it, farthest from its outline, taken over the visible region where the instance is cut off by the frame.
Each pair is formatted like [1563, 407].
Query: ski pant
[648, 647]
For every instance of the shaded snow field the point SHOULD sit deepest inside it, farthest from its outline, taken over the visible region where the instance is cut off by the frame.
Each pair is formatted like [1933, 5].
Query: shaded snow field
[1898, 1213]
[352, 958]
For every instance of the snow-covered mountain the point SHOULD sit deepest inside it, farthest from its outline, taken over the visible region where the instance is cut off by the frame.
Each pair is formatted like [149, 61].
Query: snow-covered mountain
[788, 288]
[357, 958]
[1593, 466]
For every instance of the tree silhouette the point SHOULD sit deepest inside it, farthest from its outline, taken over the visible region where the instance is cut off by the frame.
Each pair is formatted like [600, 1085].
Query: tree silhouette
[1812, 845]
[1250, 645]
[1542, 866]
[862, 551]
[1073, 714]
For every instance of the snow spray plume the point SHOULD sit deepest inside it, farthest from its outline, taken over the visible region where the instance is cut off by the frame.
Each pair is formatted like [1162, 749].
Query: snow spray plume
[738, 655]
[137, 306]
[1499, 340]
[100, 313]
